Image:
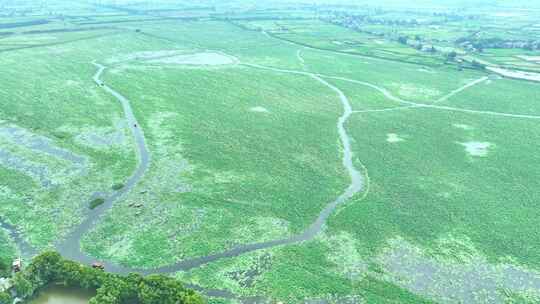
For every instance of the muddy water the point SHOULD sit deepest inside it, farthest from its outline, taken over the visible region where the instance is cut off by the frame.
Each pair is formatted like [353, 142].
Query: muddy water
[63, 295]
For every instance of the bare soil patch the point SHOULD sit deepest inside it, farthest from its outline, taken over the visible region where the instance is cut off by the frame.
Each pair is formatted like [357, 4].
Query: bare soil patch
[476, 148]
[393, 138]
[259, 109]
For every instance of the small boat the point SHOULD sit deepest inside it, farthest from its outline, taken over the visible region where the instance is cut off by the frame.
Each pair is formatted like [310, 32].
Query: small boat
[98, 265]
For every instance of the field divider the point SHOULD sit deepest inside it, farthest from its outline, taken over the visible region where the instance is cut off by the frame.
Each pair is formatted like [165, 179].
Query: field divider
[461, 89]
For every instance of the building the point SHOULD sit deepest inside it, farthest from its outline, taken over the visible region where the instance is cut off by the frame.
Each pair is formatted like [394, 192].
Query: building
[17, 265]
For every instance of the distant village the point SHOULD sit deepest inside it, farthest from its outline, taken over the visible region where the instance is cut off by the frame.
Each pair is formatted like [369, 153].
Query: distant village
[472, 43]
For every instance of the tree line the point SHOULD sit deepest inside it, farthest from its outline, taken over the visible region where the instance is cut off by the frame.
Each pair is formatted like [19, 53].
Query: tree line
[50, 268]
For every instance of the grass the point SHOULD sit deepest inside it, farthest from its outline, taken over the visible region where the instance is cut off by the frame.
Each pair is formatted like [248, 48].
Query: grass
[428, 185]
[513, 96]
[395, 210]
[224, 172]
[267, 162]
[363, 98]
[299, 273]
[8, 252]
[69, 90]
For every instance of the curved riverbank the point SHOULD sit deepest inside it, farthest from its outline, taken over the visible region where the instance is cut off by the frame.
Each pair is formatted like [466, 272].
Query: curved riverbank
[70, 247]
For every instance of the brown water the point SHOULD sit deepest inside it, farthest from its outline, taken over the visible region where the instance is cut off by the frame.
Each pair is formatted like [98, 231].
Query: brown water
[63, 295]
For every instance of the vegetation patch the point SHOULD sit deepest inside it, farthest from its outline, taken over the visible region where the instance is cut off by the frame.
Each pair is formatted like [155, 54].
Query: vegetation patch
[350, 262]
[456, 271]
[416, 91]
[117, 186]
[242, 155]
[7, 253]
[96, 203]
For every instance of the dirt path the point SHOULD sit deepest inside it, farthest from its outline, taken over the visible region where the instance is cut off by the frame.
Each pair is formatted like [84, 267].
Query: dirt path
[463, 88]
[385, 110]
[390, 96]
[515, 74]
[299, 57]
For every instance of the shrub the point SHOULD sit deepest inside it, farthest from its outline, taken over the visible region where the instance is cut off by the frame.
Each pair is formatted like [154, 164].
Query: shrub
[5, 268]
[118, 186]
[5, 298]
[96, 202]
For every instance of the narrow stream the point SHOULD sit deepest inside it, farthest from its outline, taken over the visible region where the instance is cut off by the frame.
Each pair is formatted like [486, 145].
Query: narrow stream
[70, 247]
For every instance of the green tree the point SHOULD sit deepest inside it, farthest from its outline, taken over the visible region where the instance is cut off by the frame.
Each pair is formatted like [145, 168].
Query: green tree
[159, 289]
[50, 267]
[5, 298]
[22, 286]
[45, 267]
[4, 268]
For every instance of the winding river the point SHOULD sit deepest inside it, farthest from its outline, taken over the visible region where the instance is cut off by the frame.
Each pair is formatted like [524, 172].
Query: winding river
[70, 247]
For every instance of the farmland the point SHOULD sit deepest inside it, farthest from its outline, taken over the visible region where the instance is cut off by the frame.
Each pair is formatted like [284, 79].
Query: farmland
[277, 152]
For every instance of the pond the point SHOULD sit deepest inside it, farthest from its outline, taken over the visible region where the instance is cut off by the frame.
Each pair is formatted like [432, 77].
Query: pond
[57, 294]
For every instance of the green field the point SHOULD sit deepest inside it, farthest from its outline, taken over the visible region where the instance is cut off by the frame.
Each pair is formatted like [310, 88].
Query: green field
[240, 107]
